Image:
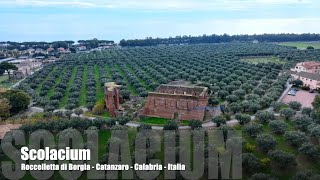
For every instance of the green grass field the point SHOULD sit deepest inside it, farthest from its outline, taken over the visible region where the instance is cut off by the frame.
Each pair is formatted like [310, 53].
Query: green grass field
[109, 74]
[184, 122]
[302, 45]
[154, 121]
[257, 60]
[41, 84]
[104, 115]
[57, 82]
[83, 91]
[100, 93]
[64, 100]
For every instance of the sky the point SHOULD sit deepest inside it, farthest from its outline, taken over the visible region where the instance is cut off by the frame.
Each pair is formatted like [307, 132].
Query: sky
[51, 20]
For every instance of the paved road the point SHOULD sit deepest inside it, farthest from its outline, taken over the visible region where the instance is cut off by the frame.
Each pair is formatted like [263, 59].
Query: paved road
[209, 124]
[132, 124]
[285, 92]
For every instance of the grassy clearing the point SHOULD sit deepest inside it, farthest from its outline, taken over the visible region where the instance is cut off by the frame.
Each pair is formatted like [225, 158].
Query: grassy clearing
[104, 115]
[184, 122]
[154, 120]
[301, 45]
[281, 143]
[100, 93]
[130, 88]
[64, 99]
[51, 91]
[108, 71]
[83, 91]
[264, 60]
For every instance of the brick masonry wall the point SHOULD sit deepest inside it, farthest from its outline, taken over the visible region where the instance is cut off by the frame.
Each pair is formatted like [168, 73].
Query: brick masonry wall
[112, 99]
[166, 106]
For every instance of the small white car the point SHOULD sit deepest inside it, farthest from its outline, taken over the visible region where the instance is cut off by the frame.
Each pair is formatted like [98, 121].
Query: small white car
[292, 93]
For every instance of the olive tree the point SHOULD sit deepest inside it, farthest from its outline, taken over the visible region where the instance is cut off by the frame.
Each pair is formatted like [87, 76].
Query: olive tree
[250, 162]
[277, 106]
[261, 176]
[219, 120]
[232, 98]
[78, 111]
[170, 125]
[58, 113]
[264, 116]
[266, 142]
[306, 111]
[235, 107]
[243, 118]
[213, 101]
[287, 113]
[222, 94]
[295, 105]
[282, 159]
[253, 129]
[195, 124]
[253, 107]
[302, 122]
[315, 131]
[305, 174]
[295, 138]
[278, 126]
[68, 113]
[310, 150]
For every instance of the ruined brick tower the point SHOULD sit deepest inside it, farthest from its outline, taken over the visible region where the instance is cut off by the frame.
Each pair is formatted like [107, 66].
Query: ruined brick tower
[112, 98]
[177, 102]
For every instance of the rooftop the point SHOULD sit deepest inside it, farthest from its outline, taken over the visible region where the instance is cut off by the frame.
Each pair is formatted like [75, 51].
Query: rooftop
[309, 64]
[23, 57]
[311, 76]
[6, 60]
[40, 57]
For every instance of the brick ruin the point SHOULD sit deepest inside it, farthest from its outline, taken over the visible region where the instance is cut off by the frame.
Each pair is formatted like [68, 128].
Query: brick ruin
[177, 102]
[112, 98]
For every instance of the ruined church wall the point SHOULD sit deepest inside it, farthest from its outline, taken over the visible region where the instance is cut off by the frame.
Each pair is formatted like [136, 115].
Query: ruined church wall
[187, 107]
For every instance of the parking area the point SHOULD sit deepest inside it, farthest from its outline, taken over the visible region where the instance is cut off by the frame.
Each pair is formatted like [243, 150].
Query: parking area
[304, 97]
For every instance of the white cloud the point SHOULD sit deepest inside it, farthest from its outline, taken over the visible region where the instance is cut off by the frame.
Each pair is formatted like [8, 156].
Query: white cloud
[157, 5]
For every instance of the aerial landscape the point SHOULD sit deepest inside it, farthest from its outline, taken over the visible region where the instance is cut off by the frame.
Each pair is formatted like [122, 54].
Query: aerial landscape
[259, 88]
